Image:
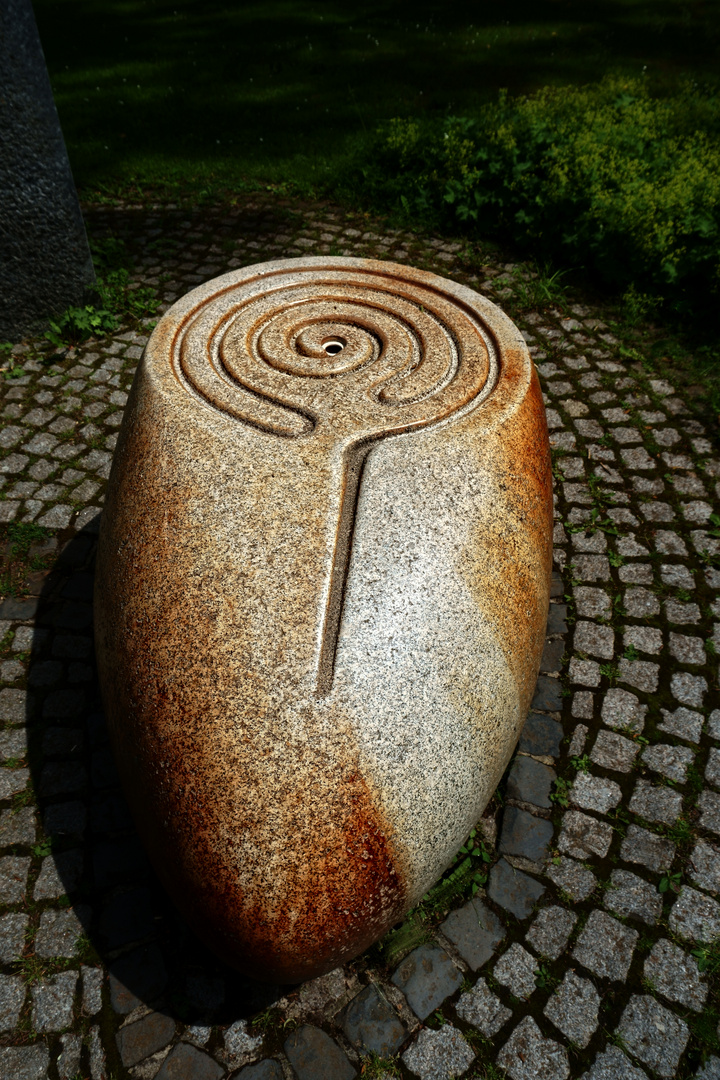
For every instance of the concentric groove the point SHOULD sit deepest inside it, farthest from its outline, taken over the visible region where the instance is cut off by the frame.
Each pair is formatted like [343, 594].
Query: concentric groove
[406, 356]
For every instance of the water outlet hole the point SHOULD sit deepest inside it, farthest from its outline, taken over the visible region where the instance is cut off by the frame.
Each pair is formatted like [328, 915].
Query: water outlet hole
[332, 348]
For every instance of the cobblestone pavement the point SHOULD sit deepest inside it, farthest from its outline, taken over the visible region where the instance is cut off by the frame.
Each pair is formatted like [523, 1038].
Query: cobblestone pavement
[589, 952]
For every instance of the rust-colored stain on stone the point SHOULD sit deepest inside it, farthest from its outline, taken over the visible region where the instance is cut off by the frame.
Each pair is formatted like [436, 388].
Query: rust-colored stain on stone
[321, 595]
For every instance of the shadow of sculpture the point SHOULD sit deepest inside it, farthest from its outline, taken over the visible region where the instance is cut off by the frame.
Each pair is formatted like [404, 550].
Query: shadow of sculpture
[94, 864]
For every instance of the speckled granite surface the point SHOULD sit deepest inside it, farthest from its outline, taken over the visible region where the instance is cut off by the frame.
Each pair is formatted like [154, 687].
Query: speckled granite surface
[364, 540]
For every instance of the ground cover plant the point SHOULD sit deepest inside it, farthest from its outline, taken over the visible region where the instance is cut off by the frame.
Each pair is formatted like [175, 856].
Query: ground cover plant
[600, 157]
[606, 177]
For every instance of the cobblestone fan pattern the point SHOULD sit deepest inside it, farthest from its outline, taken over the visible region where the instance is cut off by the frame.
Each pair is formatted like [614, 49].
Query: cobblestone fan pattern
[591, 950]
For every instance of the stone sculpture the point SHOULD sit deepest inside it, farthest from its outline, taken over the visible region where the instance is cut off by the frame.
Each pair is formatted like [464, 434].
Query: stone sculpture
[45, 263]
[322, 589]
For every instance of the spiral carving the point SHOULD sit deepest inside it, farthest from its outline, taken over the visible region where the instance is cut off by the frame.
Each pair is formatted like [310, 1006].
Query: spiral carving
[341, 354]
[367, 354]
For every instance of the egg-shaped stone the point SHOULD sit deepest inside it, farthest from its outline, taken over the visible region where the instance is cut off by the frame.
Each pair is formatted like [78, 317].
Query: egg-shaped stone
[321, 594]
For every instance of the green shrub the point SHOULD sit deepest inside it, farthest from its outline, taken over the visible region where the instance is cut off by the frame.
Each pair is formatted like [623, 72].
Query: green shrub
[119, 301]
[78, 324]
[605, 176]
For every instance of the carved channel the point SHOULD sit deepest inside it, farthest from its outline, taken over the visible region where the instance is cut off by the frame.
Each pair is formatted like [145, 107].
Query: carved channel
[342, 354]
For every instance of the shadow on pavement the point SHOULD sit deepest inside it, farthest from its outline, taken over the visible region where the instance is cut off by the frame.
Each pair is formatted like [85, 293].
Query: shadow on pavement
[96, 864]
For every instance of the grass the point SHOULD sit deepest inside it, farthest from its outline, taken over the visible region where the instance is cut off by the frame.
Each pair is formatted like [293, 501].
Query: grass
[16, 540]
[198, 96]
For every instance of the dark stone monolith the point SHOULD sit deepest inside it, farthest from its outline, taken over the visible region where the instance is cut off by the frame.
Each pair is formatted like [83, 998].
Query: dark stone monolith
[45, 262]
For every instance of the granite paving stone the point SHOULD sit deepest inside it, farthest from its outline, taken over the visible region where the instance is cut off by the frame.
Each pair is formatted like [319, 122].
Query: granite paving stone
[675, 975]
[713, 721]
[704, 866]
[53, 1002]
[12, 936]
[524, 834]
[612, 1064]
[613, 751]
[12, 781]
[591, 603]
[647, 848]
[530, 781]
[548, 695]
[186, 1062]
[68, 1062]
[317, 996]
[654, 1034]
[315, 1056]
[13, 703]
[654, 803]
[688, 689]
[572, 877]
[595, 793]
[372, 1024]
[647, 639]
[578, 740]
[475, 931]
[633, 897]
[92, 983]
[17, 826]
[199, 1034]
[14, 871]
[481, 1008]
[240, 1047]
[641, 674]
[584, 672]
[636, 574]
[684, 723]
[551, 660]
[712, 769]
[541, 736]
[583, 836]
[528, 1055]
[667, 542]
[695, 916]
[550, 931]
[640, 603]
[710, 1069]
[709, 806]
[513, 890]
[583, 704]
[12, 998]
[687, 649]
[438, 1055]
[24, 1062]
[269, 1069]
[58, 932]
[516, 969]
[138, 1041]
[681, 612]
[59, 875]
[573, 1008]
[605, 947]
[675, 574]
[13, 742]
[671, 761]
[587, 540]
[591, 567]
[622, 709]
[427, 977]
